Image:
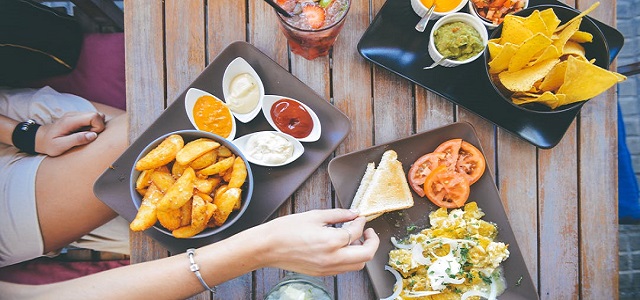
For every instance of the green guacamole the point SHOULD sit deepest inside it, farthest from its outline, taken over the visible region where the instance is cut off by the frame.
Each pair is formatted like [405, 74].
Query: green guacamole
[458, 40]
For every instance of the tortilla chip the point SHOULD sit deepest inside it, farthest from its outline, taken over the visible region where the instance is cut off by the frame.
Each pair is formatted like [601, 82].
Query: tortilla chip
[514, 31]
[524, 79]
[535, 23]
[547, 98]
[575, 49]
[583, 81]
[548, 53]
[550, 20]
[578, 17]
[527, 50]
[565, 35]
[501, 61]
[494, 49]
[581, 37]
[555, 78]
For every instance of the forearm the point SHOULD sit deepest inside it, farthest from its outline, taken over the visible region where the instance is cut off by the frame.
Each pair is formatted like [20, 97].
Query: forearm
[168, 278]
[7, 125]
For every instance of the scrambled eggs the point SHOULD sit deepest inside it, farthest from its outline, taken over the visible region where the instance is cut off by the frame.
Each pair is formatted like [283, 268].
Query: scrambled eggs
[455, 258]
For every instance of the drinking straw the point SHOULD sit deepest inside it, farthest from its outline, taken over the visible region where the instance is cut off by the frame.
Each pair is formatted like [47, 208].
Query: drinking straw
[279, 8]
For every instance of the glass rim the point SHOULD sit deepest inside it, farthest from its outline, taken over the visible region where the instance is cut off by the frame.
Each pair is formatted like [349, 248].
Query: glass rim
[283, 21]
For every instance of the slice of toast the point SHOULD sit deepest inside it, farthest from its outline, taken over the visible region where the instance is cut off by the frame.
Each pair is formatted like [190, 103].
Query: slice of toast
[383, 189]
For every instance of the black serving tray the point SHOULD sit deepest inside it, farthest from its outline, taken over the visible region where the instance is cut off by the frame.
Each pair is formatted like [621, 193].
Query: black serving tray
[392, 43]
[272, 185]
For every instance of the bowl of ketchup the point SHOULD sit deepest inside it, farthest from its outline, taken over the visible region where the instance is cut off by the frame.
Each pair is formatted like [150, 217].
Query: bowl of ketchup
[292, 117]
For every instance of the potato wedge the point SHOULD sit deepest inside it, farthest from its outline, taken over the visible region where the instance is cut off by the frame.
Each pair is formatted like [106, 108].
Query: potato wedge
[198, 212]
[177, 169]
[185, 213]
[180, 192]
[170, 219]
[195, 149]
[162, 180]
[224, 151]
[204, 160]
[219, 167]
[144, 179]
[238, 174]
[204, 185]
[189, 231]
[162, 154]
[146, 216]
[225, 204]
[205, 197]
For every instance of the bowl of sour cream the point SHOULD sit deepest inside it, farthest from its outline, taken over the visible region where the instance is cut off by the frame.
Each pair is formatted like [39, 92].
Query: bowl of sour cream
[269, 148]
[242, 89]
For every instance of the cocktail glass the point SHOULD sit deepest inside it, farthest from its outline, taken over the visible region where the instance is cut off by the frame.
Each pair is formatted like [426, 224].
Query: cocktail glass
[312, 43]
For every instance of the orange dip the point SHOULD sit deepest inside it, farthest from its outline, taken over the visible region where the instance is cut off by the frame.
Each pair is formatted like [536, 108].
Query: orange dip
[441, 5]
[212, 115]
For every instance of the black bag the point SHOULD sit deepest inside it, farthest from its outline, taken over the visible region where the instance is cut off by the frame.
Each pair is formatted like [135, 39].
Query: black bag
[36, 42]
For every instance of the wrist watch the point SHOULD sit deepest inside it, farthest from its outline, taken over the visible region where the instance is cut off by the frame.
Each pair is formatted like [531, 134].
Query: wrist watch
[24, 136]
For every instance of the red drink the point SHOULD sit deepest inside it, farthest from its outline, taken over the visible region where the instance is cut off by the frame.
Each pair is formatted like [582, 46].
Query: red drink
[313, 28]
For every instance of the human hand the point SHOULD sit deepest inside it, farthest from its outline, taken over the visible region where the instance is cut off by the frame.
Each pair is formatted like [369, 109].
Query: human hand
[71, 130]
[306, 243]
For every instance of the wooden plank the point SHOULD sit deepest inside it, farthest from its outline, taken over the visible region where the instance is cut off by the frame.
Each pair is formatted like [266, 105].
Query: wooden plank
[517, 181]
[225, 24]
[185, 44]
[558, 220]
[185, 52]
[145, 91]
[352, 95]
[598, 174]
[265, 35]
[431, 110]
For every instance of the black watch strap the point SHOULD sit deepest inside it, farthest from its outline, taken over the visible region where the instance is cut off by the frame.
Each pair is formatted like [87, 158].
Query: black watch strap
[24, 136]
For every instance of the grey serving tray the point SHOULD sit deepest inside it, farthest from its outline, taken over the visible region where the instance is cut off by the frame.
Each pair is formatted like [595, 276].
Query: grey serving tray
[345, 172]
[272, 185]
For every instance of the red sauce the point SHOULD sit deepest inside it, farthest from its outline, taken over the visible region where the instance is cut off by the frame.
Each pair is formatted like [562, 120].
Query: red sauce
[291, 118]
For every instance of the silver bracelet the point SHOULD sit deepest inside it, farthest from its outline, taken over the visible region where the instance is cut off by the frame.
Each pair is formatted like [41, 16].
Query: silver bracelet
[195, 269]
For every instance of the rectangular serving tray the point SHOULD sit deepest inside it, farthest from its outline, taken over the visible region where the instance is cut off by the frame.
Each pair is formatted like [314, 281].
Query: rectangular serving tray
[346, 171]
[272, 185]
[391, 42]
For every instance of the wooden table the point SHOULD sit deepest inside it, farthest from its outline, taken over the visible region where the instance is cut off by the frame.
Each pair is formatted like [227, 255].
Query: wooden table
[562, 202]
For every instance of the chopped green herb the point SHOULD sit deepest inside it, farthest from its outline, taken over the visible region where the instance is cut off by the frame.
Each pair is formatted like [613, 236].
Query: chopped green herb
[519, 281]
[411, 228]
[486, 279]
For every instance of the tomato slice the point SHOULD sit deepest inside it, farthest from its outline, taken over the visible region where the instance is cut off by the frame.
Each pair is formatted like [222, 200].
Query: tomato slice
[421, 169]
[471, 162]
[446, 188]
[450, 148]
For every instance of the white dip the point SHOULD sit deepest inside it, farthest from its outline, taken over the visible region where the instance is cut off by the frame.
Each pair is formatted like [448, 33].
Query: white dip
[244, 94]
[269, 148]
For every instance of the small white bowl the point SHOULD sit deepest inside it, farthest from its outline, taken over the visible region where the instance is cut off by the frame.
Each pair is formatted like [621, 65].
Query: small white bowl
[242, 144]
[270, 100]
[190, 99]
[237, 67]
[462, 17]
[490, 25]
[421, 10]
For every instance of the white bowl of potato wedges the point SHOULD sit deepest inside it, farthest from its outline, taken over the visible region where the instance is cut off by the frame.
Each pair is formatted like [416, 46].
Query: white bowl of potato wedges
[190, 184]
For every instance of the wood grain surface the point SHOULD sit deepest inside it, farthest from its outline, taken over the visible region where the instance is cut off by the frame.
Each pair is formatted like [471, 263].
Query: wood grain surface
[561, 202]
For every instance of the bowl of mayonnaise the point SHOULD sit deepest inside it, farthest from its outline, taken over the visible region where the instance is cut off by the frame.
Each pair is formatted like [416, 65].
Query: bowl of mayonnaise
[269, 148]
[242, 90]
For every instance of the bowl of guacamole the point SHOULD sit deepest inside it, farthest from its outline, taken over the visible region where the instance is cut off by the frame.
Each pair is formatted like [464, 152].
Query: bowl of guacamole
[460, 37]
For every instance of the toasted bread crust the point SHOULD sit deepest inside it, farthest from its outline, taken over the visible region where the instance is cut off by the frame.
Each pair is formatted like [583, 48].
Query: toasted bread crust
[383, 189]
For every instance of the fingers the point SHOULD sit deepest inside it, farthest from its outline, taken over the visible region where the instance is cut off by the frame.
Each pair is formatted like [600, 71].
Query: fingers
[86, 121]
[334, 216]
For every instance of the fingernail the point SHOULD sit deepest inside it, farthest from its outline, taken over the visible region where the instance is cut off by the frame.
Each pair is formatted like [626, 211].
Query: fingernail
[355, 211]
[91, 135]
